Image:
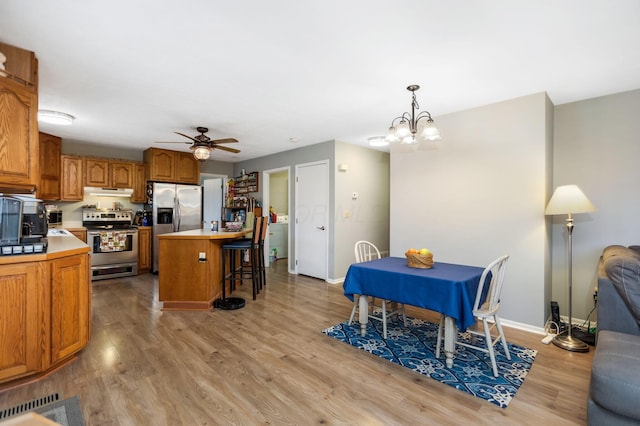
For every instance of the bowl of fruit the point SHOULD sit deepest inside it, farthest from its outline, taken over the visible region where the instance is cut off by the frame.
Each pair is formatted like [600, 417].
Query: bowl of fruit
[422, 258]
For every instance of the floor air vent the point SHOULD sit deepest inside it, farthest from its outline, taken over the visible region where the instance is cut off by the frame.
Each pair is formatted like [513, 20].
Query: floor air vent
[29, 406]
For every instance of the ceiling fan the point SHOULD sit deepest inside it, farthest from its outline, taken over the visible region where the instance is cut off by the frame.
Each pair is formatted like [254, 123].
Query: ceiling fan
[203, 145]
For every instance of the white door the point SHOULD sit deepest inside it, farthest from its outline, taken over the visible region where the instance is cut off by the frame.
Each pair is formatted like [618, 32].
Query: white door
[312, 219]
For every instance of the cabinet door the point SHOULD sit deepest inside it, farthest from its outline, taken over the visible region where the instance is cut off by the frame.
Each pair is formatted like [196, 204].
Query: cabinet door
[71, 188]
[187, 168]
[23, 331]
[139, 184]
[96, 172]
[18, 134]
[144, 250]
[121, 174]
[160, 165]
[79, 233]
[50, 149]
[70, 305]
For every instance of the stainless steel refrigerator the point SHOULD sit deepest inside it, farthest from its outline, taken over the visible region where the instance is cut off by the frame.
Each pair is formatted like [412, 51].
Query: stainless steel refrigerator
[175, 208]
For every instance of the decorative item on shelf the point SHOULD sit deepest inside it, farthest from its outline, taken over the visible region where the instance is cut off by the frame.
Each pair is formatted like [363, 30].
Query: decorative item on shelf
[405, 130]
[415, 259]
[566, 200]
[3, 59]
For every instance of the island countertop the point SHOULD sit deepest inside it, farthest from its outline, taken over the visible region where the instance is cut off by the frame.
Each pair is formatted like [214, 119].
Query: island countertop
[205, 234]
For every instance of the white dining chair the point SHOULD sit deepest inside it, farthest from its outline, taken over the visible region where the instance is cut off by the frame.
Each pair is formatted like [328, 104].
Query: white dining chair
[493, 275]
[366, 251]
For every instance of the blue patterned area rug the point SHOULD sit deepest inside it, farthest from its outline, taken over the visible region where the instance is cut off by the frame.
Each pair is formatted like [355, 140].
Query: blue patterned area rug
[414, 347]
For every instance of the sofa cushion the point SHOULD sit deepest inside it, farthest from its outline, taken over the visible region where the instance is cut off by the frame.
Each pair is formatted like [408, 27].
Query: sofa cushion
[622, 266]
[615, 376]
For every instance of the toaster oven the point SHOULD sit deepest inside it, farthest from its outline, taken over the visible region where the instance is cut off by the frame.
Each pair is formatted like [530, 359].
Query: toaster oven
[54, 218]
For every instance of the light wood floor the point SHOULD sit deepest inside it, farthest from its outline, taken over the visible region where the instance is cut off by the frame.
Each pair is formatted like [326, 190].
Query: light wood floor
[270, 364]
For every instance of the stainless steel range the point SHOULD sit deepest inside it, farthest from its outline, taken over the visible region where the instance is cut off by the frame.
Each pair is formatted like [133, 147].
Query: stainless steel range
[113, 241]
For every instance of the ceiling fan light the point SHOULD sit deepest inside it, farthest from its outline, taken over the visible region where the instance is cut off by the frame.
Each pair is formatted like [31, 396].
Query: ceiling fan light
[201, 153]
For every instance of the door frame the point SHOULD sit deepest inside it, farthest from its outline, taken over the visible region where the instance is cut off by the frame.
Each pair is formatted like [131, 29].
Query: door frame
[266, 180]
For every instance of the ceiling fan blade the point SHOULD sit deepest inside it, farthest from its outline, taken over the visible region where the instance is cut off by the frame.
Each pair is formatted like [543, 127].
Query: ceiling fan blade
[227, 140]
[186, 136]
[188, 143]
[224, 148]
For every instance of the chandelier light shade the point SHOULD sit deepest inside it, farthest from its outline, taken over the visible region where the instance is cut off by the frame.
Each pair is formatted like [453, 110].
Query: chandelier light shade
[566, 200]
[201, 152]
[55, 117]
[409, 128]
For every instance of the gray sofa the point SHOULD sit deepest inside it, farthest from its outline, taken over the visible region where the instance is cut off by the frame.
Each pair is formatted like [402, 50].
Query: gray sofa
[614, 392]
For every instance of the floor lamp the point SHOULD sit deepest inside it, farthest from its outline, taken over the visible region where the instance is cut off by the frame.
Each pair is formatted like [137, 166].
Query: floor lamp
[569, 199]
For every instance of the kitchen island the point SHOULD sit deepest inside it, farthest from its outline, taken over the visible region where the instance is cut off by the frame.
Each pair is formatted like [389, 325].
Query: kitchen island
[45, 301]
[189, 268]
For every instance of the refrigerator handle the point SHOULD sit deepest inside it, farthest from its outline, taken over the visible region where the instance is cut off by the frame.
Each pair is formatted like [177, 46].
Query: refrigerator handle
[177, 215]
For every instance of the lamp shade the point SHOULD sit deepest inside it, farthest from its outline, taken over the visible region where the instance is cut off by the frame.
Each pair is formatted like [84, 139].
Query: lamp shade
[568, 199]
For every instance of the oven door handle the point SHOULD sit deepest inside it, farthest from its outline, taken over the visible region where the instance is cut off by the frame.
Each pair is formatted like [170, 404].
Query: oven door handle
[123, 231]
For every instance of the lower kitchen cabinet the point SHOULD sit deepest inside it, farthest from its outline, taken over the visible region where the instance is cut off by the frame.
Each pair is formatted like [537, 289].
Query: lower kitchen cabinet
[24, 301]
[45, 313]
[79, 233]
[70, 306]
[144, 249]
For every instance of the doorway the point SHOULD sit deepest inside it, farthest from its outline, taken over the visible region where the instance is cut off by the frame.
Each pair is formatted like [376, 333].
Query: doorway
[276, 184]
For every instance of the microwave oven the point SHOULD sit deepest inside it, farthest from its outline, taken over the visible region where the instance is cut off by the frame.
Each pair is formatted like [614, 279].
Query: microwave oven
[54, 218]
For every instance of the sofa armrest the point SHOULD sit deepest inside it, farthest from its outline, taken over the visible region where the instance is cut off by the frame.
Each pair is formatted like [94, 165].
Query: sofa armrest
[613, 313]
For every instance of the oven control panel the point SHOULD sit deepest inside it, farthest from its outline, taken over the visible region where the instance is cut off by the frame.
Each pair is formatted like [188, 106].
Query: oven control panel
[112, 216]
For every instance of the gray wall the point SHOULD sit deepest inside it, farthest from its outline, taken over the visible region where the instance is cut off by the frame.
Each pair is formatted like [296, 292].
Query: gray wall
[479, 194]
[597, 147]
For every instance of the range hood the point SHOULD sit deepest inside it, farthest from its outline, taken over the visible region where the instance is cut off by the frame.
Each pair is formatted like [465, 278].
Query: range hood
[108, 192]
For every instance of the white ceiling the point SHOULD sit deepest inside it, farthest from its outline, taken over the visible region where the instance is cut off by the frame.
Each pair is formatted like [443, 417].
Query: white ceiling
[264, 72]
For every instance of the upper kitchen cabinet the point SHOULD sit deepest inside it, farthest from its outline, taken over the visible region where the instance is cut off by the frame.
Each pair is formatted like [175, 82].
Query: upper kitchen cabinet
[105, 173]
[122, 174]
[139, 184]
[19, 153]
[21, 65]
[50, 149]
[71, 188]
[163, 165]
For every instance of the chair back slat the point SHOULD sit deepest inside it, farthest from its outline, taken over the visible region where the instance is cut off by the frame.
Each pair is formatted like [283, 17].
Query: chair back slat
[492, 276]
[366, 251]
[257, 230]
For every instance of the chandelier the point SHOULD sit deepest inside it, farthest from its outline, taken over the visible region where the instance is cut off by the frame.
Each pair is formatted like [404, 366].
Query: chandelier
[405, 127]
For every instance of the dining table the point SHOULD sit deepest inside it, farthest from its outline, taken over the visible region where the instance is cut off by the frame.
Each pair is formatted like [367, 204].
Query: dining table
[444, 287]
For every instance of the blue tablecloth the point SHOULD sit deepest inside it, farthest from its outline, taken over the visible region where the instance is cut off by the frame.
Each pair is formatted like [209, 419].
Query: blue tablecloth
[445, 287]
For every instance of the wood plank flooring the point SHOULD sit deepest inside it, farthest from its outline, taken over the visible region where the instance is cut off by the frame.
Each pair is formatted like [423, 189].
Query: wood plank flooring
[269, 363]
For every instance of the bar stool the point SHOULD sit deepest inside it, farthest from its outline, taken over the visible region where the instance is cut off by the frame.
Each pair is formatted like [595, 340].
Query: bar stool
[238, 273]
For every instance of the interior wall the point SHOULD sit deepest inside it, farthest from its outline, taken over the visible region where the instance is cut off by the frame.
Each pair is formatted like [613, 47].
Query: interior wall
[278, 192]
[479, 194]
[365, 217]
[597, 147]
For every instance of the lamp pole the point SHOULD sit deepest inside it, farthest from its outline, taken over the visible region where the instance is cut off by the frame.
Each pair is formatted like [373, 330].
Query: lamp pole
[567, 341]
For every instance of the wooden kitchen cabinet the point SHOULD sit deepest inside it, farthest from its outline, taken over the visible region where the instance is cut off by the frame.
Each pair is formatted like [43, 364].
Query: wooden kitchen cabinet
[71, 188]
[45, 310]
[106, 173]
[139, 184]
[187, 168]
[70, 306]
[144, 249]
[23, 331]
[79, 233]
[121, 173]
[96, 172]
[163, 165]
[19, 162]
[50, 149]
